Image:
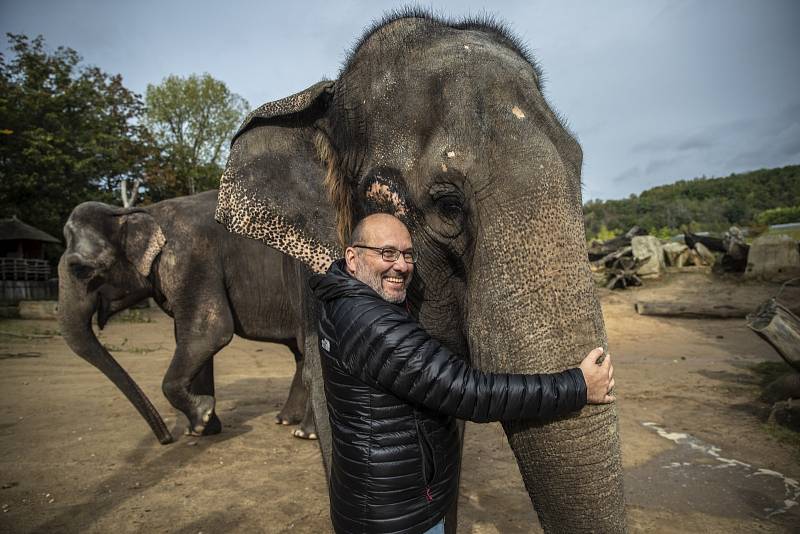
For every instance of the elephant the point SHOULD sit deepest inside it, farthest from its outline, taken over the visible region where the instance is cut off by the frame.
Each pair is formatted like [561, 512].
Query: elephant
[214, 284]
[444, 124]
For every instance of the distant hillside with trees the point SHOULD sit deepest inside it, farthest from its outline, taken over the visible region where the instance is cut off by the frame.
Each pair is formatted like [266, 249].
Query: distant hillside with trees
[762, 197]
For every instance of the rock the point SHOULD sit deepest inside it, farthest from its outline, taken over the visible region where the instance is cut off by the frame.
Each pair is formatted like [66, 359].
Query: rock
[672, 252]
[706, 256]
[786, 413]
[773, 258]
[784, 387]
[685, 258]
[645, 246]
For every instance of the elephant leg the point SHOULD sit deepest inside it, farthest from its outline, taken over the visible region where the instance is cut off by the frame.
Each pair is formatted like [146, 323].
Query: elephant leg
[307, 429]
[315, 424]
[203, 385]
[292, 411]
[299, 401]
[314, 381]
[189, 382]
[299, 398]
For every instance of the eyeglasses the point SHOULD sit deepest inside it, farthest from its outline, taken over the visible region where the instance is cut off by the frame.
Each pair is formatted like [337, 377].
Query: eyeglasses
[391, 254]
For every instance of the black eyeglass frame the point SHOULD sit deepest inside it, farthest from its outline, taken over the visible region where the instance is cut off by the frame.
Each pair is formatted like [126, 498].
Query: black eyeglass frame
[391, 254]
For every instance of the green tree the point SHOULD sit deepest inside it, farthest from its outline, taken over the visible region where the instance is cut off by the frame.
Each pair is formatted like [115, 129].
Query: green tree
[192, 121]
[779, 216]
[68, 133]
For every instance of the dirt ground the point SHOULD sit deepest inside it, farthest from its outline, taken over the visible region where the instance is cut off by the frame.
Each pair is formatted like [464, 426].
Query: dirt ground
[76, 457]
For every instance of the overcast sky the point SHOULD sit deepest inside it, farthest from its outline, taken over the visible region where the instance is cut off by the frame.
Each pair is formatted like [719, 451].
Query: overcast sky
[656, 90]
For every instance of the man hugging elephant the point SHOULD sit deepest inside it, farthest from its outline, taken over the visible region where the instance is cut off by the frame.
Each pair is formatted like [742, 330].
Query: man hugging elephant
[393, 392]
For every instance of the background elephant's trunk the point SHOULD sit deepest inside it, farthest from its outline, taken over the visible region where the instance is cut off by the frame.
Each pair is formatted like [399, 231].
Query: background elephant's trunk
[534, 309]
[76, 308]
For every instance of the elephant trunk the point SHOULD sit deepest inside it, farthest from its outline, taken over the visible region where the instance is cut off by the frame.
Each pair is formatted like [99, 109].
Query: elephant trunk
[75, 311]
[534, 309]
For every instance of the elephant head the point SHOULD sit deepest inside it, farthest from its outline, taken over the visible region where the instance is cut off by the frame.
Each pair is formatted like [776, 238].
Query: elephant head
[445, 126]
[104, 269]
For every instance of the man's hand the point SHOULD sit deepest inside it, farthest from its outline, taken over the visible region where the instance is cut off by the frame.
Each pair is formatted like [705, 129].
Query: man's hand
[599, 378]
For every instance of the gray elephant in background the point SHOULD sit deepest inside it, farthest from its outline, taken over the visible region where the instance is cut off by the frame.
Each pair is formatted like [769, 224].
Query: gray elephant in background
[444, 124]
[212, 283]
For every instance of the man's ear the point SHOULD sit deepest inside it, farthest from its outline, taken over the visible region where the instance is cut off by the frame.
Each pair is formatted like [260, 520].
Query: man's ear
[350, 259]
[142, 240]
[274, 185]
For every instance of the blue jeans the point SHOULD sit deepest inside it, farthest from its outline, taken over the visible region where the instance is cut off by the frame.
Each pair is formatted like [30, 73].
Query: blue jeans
[438, 528]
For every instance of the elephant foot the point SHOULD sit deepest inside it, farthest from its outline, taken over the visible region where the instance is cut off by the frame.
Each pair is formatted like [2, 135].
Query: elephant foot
[203, 421]
[214, 426]
[286, 418]
[304, 434]
[293, 410]
[307, 429]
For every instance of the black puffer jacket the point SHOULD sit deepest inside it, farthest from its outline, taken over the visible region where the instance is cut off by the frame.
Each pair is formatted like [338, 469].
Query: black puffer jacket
[393, 392]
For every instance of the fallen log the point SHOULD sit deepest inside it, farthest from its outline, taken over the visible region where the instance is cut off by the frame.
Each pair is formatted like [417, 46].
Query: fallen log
[608, 259]
[622, 272]
[711, 243]
[598, 249]
[779, 327]
[679, 309]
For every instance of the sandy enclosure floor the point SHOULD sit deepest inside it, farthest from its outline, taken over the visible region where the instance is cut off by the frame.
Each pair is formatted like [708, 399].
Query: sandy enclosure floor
[76, 457]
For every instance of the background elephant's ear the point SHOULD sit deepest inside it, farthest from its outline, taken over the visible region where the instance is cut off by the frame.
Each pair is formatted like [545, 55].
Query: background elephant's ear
[273, 188]
[142, 240]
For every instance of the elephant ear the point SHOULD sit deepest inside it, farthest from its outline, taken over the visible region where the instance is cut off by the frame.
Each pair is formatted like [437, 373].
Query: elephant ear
[142, 240]
[273, 188]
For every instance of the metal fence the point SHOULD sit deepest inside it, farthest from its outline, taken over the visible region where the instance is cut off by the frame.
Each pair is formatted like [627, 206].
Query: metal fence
[24, 269]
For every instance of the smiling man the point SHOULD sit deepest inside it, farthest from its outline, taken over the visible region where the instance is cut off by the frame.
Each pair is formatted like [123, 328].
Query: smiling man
[394, 392]
[381, 269]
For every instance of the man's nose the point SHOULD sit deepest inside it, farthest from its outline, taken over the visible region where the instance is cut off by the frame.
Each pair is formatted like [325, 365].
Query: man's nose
[402, 265]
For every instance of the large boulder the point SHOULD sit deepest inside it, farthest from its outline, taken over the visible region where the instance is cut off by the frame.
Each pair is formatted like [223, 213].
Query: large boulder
[773, 257]
[648, 246]
[673, 252]
[706, 256]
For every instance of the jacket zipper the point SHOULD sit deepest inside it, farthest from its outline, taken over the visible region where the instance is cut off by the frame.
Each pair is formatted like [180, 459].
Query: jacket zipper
[424, 449]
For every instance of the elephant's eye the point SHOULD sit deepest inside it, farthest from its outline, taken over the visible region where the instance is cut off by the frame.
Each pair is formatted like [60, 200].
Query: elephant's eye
[81, 271]
[448, 200]
[449, 208]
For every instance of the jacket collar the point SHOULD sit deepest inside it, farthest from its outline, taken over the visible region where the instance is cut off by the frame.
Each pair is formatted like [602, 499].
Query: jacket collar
[338, 283]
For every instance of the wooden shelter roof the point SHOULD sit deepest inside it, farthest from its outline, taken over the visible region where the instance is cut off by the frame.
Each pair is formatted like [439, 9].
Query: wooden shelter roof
[13, 229]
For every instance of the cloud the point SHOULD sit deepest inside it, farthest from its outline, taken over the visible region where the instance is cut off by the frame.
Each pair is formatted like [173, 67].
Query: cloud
[653, 145]
[658, 164]
[628, 174]
[777, 149]
[695, 142]
[790, 147]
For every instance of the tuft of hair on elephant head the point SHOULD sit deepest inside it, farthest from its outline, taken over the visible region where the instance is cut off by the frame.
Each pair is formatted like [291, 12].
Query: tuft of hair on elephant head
[445, 125]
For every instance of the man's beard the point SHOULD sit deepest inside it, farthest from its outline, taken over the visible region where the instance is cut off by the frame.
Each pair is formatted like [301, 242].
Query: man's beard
[375, 281]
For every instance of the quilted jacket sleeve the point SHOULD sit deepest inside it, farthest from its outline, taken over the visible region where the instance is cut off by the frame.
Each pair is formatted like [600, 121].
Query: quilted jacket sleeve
[383, 346]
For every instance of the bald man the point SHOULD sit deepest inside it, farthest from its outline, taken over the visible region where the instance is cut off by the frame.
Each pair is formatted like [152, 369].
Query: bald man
[394, 392]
